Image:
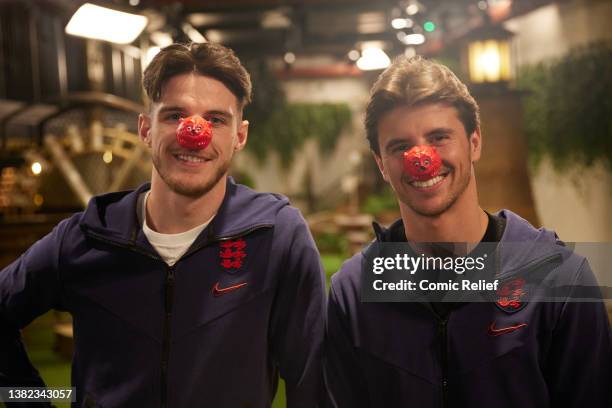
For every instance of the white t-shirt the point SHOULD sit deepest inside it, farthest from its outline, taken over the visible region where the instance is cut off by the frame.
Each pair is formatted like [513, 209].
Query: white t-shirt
[170, 246]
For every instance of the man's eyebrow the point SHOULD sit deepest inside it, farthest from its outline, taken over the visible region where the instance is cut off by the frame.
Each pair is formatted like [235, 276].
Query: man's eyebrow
[224, 113]
[177, 108]
[166, 109]
[439, 130]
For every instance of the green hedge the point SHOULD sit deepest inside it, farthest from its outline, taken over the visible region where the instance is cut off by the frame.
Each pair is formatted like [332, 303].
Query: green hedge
[568, 107]
[286, 129]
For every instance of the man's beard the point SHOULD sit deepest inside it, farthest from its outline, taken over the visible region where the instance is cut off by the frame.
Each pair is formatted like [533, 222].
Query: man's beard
[189, 189]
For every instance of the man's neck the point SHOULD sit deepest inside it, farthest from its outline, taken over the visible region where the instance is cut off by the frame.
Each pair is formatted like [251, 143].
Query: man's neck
[464, 221]
[170, 213]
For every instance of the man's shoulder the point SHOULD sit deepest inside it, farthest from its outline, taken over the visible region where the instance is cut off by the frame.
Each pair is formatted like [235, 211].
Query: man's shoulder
[348, 277]
[244, 205]
[245, 192]
[525, 246]
[246, 209]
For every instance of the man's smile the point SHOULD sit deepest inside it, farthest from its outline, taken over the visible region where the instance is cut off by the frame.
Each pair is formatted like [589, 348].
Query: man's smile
[430, 184]
[190, 158]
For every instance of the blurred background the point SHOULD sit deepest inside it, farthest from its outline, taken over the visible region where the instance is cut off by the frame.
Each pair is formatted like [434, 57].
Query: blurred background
[70, 94]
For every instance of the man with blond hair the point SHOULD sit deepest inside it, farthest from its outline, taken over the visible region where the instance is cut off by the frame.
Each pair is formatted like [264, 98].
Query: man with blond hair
[190, 291]
[442, 347]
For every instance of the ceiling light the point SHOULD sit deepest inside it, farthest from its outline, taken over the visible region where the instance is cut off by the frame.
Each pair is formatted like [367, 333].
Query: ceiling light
[275, 19]
[399, 23]
[373, 58]
[413, 39]
[193, 34]
[412, 9]
[161, 39]
[101, 23]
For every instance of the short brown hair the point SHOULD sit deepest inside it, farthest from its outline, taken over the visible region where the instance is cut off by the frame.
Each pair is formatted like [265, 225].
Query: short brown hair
[417, 81]
[213, 60]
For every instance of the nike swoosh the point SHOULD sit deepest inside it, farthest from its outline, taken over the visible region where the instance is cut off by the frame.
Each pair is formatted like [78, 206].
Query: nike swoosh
[218, 291]
[498, 332]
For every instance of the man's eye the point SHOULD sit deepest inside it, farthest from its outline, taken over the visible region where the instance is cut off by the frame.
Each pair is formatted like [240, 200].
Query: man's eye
[440, 137]
[216, 120]
[173, 116]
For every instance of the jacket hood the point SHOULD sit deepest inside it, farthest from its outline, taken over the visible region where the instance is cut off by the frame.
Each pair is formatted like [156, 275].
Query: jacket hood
[114, 215]
[522, 244]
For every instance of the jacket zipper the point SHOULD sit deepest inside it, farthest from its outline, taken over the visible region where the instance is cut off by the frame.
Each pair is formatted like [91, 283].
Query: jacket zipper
[169, 294]
[442, 329]
[168, 302]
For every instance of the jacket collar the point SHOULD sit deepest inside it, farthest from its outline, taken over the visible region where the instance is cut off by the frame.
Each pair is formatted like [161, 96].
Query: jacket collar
[114, 215]
[521, 243]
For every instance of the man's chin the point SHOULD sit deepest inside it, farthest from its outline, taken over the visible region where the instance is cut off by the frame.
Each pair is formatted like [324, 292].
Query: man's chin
[195, 190]
[430, 210]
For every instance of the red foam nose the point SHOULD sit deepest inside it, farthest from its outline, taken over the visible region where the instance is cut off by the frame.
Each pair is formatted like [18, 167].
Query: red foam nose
[194, 132]
[422, 162]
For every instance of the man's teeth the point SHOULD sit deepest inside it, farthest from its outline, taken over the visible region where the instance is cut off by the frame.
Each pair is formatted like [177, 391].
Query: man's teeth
[195, 159]
[427, 183]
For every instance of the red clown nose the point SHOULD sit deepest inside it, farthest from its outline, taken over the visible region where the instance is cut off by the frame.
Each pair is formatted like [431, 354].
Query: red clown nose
[194, 132]
[422, 162]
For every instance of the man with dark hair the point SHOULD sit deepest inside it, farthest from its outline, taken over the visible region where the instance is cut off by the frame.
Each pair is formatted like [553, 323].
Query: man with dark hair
[494, 350]
[191, 291]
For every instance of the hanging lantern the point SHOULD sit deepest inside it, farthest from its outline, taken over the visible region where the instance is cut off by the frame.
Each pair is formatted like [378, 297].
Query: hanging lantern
[489, 56]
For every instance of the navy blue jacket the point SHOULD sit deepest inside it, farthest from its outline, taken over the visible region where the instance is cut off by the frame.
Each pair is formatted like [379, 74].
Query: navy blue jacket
[245, 303]
[554, 354]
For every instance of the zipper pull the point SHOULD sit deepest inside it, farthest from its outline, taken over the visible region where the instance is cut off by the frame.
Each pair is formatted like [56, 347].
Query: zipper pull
[169, 290]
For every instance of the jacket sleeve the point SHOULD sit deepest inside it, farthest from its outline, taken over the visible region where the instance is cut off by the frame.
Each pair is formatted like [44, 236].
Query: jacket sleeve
[298, 321]
[344, 382]
[29, 287]
[579, 364]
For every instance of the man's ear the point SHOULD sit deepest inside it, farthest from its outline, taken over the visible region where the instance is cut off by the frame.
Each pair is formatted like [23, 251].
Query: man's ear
[242, 135]
[475, 145]
[144, 128]
[381, 166]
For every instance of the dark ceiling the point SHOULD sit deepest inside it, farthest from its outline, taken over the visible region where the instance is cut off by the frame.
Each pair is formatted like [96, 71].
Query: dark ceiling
[324, 26]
